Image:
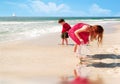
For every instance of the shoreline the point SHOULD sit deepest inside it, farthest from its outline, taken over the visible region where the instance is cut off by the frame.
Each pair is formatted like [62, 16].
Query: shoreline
[44, 57]
[35, 52]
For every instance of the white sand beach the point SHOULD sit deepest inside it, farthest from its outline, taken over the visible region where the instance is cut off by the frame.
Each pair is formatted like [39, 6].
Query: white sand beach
[30, 61]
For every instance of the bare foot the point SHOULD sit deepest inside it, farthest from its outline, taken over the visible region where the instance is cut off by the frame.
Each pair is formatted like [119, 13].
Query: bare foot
[83, 58]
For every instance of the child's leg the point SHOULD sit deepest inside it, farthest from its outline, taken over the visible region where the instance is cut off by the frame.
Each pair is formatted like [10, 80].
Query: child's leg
[75, 47]
[75, 73]
[62, 41]
[66, 40]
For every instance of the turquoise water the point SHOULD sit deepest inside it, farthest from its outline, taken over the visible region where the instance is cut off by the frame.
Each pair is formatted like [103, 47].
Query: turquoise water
[17, 28]
[24, 19]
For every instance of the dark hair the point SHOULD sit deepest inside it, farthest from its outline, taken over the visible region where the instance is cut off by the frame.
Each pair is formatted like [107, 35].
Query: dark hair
[61, 20]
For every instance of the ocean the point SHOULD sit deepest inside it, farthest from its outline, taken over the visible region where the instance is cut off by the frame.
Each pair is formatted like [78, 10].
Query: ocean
[18, 28]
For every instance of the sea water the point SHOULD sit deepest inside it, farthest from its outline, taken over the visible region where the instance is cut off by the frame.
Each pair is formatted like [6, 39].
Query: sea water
[18, 28]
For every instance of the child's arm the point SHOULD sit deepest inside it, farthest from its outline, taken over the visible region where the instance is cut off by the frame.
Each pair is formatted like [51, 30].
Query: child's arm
[84, 28]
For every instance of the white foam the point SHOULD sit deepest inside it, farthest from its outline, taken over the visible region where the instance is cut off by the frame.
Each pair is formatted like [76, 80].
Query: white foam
[20, 30]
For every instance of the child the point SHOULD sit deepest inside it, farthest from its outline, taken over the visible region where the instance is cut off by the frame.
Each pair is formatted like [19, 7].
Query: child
[64, 32]
[81, 33]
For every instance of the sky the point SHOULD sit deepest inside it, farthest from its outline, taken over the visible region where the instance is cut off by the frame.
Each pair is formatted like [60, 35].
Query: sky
[73, 8]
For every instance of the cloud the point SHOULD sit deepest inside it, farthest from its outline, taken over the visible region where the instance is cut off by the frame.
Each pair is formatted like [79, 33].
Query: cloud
[39, 7]
[18, 5]
[97, 10]
[50, 7]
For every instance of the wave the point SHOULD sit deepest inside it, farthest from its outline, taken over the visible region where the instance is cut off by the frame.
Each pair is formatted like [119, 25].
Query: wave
[23, 30]
[12, 30]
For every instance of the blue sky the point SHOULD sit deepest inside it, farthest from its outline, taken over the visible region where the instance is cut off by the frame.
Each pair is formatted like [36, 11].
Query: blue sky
[60, 7]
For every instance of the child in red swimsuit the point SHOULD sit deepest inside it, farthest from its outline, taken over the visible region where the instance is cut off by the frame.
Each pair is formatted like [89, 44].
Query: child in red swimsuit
[82, 33]
[64, 32]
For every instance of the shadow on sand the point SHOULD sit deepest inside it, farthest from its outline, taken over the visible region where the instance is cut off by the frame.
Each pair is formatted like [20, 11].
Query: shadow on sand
[104, 65]
[105, 56]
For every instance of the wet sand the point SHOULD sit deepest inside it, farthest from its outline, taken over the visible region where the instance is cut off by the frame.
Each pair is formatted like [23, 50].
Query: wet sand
[30, 61]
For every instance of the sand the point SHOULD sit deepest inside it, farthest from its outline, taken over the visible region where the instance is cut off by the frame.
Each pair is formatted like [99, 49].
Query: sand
[34, 60]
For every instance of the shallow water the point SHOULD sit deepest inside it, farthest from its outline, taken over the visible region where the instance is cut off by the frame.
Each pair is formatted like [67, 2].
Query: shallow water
[17, 28]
